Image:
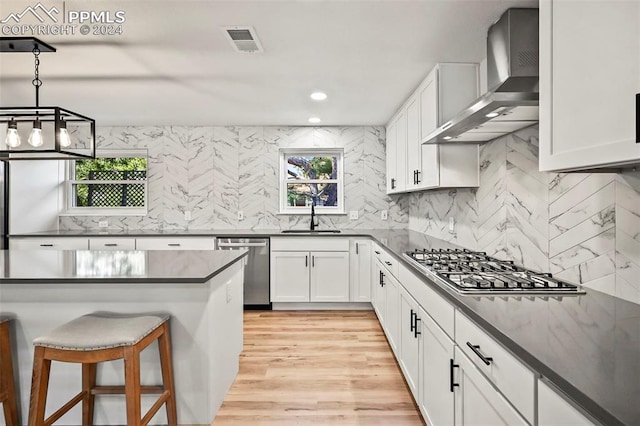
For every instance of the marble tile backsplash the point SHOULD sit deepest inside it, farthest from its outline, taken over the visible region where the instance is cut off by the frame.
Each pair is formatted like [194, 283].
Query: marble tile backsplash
[214, 172]
[582, 227]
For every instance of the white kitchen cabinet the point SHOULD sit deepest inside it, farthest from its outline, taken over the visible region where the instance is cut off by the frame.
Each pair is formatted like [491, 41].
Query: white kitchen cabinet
[447, 90]
[397, 153]
[110, 243]
[391, 288]
[379, 295]
[589, 78]
[555, 410]
[436, 359]
[410, 332]
[290, 280]
[309, 269]
[360, 270]
[329, 277]
[477, 402]
[175, 243]
[49, 243]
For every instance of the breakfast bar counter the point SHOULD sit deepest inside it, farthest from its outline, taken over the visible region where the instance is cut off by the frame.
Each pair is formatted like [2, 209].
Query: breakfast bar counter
[202, 290]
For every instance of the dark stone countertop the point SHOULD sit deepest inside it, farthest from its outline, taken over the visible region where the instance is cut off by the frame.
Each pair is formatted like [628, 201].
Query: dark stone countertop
[587, 345]
[86, 266]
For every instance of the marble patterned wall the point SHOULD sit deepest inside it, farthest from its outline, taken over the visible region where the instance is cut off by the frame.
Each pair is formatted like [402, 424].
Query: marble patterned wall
[582, 227]
[214, 172]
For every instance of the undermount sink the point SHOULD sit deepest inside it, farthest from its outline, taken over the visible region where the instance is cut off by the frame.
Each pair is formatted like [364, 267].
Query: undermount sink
[308, 231]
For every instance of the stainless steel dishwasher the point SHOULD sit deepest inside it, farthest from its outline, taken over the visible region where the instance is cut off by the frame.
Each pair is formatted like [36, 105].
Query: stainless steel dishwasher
[256, 270]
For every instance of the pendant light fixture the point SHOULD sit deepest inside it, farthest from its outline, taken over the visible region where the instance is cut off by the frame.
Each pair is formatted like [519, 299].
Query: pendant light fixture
[54, 133]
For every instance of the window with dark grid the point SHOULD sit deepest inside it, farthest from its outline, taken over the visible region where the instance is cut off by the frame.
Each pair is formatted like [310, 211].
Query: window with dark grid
[102, 183]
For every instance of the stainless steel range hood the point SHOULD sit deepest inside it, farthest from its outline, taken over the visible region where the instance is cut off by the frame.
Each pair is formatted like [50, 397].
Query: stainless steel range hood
[512, 78]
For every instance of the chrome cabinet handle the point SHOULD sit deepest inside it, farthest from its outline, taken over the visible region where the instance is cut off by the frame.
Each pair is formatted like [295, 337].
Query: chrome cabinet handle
[476, 350]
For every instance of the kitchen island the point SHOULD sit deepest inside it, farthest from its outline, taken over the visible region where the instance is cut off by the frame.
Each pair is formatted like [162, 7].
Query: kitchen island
[202, 290]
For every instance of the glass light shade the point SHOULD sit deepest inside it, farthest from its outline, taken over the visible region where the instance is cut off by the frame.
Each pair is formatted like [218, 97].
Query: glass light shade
[13, 138]
[35, 138]
[65, 139]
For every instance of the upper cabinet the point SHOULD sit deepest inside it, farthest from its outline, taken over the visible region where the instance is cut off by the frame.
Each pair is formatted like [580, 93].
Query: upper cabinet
[412, 166]
[589, 78]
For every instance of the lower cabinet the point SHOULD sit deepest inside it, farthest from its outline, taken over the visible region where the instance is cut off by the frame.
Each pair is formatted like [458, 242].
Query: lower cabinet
[436, 373]
[477, 402]
[378, 293]
[410, 336]
[392, 311]
[360, 270]
[105, 243]
[175, 243]
[60, 243]
[308, 276]
[555, 410]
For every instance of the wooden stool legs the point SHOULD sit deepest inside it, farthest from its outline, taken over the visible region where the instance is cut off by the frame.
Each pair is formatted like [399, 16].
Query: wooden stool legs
[7, 387]
[132, 388]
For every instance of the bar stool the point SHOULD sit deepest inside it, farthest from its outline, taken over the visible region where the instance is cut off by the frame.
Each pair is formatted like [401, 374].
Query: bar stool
[7, 387]
[99, 337]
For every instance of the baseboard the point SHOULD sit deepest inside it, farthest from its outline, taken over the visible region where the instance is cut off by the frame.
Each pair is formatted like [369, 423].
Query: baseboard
[317, 306]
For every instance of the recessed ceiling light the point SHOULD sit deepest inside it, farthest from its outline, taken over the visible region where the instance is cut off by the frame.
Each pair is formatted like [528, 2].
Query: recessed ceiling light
[492, 114]
[446, 138]
[318, 96]
[314, 120]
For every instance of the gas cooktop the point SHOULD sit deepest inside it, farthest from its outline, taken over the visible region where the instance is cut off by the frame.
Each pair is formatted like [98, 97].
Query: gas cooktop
[475, 273]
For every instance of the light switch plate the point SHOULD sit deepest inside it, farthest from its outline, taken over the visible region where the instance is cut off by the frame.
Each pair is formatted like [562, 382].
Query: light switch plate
[240, 215]
[187, 215]
[353, 215]
[384, 215]
[452, 225]
[103, 224]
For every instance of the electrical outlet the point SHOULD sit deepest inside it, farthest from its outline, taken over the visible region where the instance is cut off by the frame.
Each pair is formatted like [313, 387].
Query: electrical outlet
[187, 215]
[103, 224]
[452, 225]
[240, 215]
[353, 215]
[384, 215]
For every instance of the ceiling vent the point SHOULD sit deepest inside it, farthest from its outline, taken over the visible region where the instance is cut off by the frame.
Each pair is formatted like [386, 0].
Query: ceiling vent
[243, 39]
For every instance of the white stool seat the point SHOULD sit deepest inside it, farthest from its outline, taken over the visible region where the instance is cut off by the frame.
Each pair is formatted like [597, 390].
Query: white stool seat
[102, 330]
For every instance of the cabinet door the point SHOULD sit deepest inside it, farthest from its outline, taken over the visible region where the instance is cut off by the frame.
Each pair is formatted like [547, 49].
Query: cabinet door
[379, 293]
[436, 355]
[290, 276]
[554, 410]
[413, 143]
[392, 312]
[476, 401]
[329, 276]
[589, 78]
[360, 269]
[392, 179]
[409, 341]
[429, 104]
[401, 151]
[176, 243]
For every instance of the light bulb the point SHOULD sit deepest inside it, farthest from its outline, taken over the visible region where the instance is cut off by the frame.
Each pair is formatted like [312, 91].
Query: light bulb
[35, 138]
[65, 139]
[13, 138]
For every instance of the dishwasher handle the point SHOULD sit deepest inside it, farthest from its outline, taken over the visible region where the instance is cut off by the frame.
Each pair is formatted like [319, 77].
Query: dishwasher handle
[262, 244]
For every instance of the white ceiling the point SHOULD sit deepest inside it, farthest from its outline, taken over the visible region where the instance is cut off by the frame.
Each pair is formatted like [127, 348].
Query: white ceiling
[173, 64]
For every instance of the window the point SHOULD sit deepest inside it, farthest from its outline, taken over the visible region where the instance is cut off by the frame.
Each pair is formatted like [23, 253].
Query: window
[113, 184]
[311, 176]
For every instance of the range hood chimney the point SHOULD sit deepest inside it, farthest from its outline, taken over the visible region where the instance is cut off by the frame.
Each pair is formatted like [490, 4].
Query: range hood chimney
[511, 102]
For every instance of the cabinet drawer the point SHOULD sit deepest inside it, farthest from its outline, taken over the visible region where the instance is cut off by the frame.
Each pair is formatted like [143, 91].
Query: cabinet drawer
[435, 305]
[309, 244]
[112, 243]
[508, 374]
[49, 244]
[161, 243]
[389, 262]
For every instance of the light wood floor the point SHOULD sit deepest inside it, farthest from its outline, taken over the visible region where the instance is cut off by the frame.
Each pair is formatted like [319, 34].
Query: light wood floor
[317, 368]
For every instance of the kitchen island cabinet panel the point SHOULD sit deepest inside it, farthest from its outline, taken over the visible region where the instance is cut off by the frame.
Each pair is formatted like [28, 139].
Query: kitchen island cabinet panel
[206, 331]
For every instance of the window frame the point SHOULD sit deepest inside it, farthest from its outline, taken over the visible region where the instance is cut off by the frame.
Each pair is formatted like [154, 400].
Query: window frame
[70, 180]
[316, 152]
